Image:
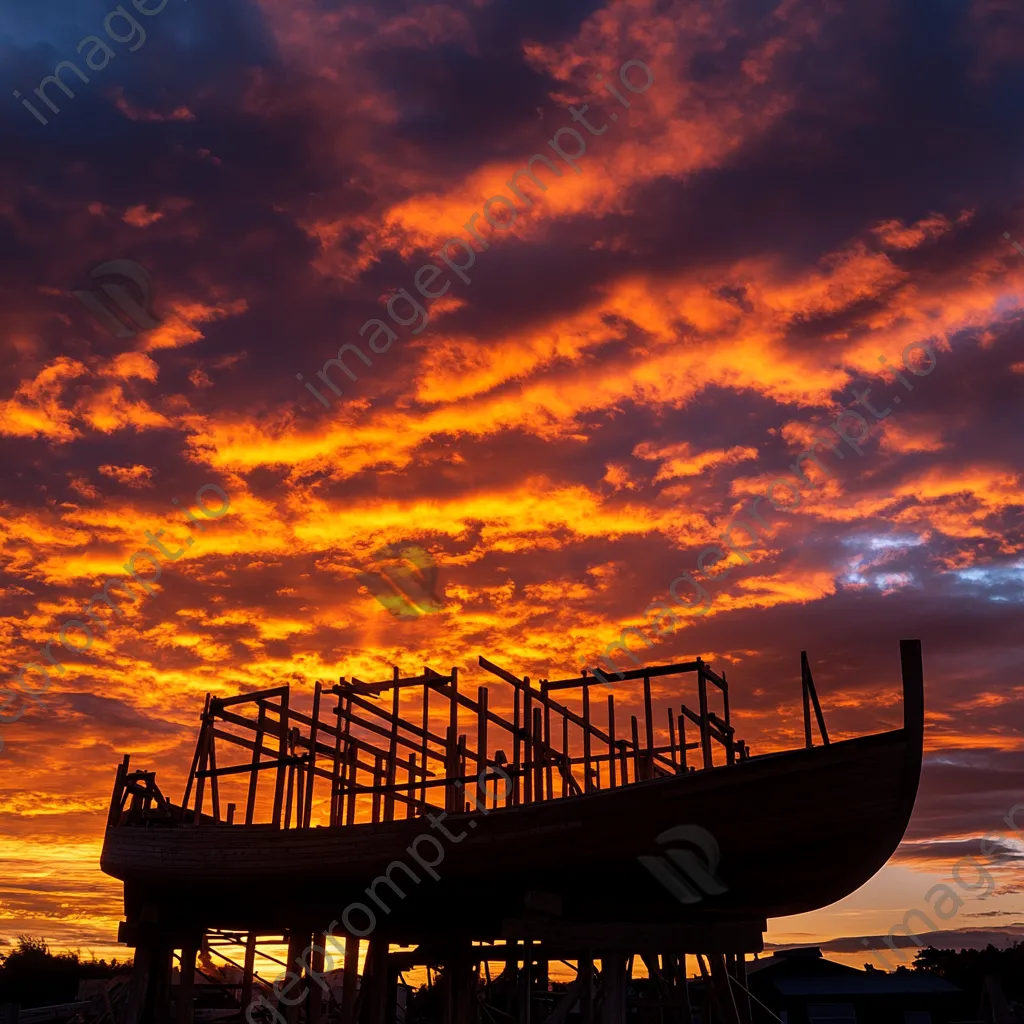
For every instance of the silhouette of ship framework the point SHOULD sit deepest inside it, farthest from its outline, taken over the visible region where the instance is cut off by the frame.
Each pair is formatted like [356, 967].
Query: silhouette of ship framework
[554, 834]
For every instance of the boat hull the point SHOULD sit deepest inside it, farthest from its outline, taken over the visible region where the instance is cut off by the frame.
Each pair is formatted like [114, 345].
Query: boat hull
[795, 831]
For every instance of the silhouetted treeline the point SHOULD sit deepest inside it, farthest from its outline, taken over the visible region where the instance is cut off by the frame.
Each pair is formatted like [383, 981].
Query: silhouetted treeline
[968, 968]
[31, 975]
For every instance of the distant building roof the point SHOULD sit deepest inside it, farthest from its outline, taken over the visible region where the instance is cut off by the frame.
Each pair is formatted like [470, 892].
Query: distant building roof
[867, 983]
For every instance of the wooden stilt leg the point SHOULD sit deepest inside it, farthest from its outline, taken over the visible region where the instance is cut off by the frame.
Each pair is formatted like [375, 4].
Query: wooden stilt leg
[375, 1005]
[248, 968]
[314, 1008]
[613, 986]
[351, 980]
[138, 986]
[526, 983]
[586, 976]
[292, 991]
[722, 991]
[186, 1010]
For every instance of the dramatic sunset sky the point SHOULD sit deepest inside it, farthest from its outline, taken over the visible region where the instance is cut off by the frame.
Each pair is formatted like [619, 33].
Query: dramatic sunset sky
[805, 187]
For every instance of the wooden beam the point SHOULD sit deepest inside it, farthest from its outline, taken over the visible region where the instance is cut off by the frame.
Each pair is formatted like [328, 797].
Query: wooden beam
[620, 677]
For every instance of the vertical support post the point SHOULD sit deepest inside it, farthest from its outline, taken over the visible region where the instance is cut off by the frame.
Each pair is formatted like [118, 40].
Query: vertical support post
[300, 780]
[282, 754]
[254, 772]
[454, 801]
[462, 771]
[549, 778]
[527, 744]
[375, 799]
[424, 749]
[290, 790]
[705, 725]
[392, 766]
[806, 695]
[672, 740]
[214, 781]
[481, 745]
[730, 743]
[307, 809]
[613, 986]
[516, 763]
[587, 784]
[352, 754]
[683, 766]
[649, 728]
[538, 757]
[375, 1004]
[411, 790]
[611, 741]
[525, 985]
[637, 772]
[195, 757]
[204, 760]
[298, 941]
[114, 814]
[568, 759]
[336, 770]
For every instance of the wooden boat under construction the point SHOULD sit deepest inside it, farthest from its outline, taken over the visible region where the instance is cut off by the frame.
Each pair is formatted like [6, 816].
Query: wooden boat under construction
[545, 826]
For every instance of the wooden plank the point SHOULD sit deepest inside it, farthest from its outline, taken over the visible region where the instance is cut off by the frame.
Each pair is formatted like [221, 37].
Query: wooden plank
[637, 770]
[358, 688]
[672, 737]
[223, 702]
[637, 673]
